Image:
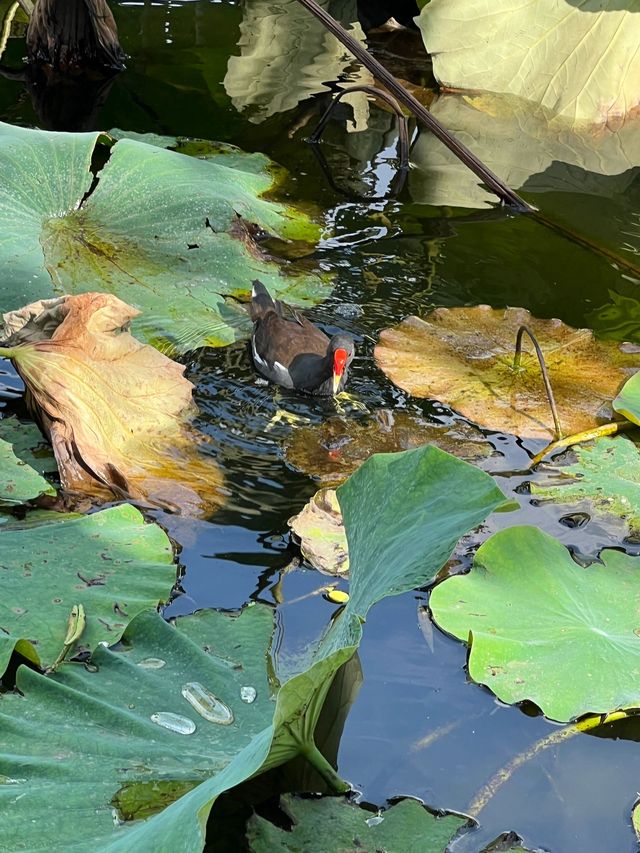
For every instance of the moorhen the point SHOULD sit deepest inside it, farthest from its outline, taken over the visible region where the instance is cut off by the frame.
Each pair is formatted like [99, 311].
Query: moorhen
[293, 352]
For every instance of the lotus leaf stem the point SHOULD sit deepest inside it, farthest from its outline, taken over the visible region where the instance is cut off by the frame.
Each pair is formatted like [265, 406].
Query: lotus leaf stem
[543, 370]
[580, 437]
[586, 724]
[492, 181]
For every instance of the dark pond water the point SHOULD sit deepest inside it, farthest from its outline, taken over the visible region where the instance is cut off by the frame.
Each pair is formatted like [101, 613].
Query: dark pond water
[259, 75]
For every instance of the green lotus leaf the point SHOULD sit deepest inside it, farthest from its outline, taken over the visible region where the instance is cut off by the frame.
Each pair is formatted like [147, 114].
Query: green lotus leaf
[21, 479]
[578, 59]
[331, 825]
[88, 738]
[545, 629]
[627, 403]
[111, 562]
[606, 475]
[464, 358]
[170, 234]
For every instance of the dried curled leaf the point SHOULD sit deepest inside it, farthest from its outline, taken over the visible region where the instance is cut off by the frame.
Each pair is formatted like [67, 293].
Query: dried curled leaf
[464, 358]
[116, 410]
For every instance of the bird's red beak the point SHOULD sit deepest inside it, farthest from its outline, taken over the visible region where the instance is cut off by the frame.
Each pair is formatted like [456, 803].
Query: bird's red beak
[339, 364]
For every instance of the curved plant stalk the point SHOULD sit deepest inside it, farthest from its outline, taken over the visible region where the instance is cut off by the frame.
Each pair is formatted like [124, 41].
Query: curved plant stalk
[545, 376]
[493, 182]
[587, 724]
[580, 437]
[403, 127]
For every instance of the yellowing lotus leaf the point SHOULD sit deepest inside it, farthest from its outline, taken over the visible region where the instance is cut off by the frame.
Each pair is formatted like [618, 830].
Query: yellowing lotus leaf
[320, 530]
[116, 410]
[332, 451]
[464, 358]
[578, 59]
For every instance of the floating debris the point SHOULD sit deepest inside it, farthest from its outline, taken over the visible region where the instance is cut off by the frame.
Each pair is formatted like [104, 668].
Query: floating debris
[206, 704]
[174, 722]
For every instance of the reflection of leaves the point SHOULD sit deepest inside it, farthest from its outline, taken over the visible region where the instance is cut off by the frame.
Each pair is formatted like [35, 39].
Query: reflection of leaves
[336, 825]
[526, 148]
[116, 410]
[607, 475]
[171, 234]
[464, 357]
[222, 653]
[543, 628]
[333, 450]
[111, 562]
[578, 59]
[287, 56]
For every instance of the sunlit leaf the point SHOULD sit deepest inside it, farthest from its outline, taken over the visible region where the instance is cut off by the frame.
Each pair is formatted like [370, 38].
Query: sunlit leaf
[331, 825]
[605, 475]
[319, 528]
[172, 235]
[116, 410]
[111, 562]
[464, 358]
[578, 59]
[627, 403]
[543, 628]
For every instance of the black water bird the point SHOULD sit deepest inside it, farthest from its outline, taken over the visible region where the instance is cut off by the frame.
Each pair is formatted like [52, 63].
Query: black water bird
[292, 352]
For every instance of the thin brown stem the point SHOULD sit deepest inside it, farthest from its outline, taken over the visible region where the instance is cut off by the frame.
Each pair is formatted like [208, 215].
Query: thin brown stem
[543, 369]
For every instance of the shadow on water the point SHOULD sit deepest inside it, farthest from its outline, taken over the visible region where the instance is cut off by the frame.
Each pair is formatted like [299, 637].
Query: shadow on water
[417, 726]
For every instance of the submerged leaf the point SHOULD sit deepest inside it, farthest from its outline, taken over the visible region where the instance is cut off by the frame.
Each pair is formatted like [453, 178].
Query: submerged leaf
[332, 451]
[331, 825]
[110, 563]
[172, 235]
[319, 527]
[545, 629]
[578, 59]
[606, 475]
[464, 358]
[116, 410]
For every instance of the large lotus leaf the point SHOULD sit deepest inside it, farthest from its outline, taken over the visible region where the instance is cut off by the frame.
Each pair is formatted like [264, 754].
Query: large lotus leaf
[606, 475]
[627, 403]
[578, 59]
[526, 147]
[331, 825]
[464, 358]
[21, 480]
[543, 628]
[143, 762]
[332, 451]
[117, 411]
[111, 562]
[171, 234]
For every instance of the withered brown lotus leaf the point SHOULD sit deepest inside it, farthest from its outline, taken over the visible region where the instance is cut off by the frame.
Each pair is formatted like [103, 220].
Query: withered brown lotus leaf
[320, 529]
[116, 410]
[464, 357]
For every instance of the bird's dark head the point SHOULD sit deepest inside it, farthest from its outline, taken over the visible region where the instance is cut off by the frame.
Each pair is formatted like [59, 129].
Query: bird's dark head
[342, 348]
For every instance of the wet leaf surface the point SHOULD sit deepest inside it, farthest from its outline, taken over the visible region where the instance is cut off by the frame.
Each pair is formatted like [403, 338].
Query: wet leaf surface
[331, 825]
[117, 411]
[21, 477]
[464, 358]
[605, 475]
[111, 562]
[545, 629]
